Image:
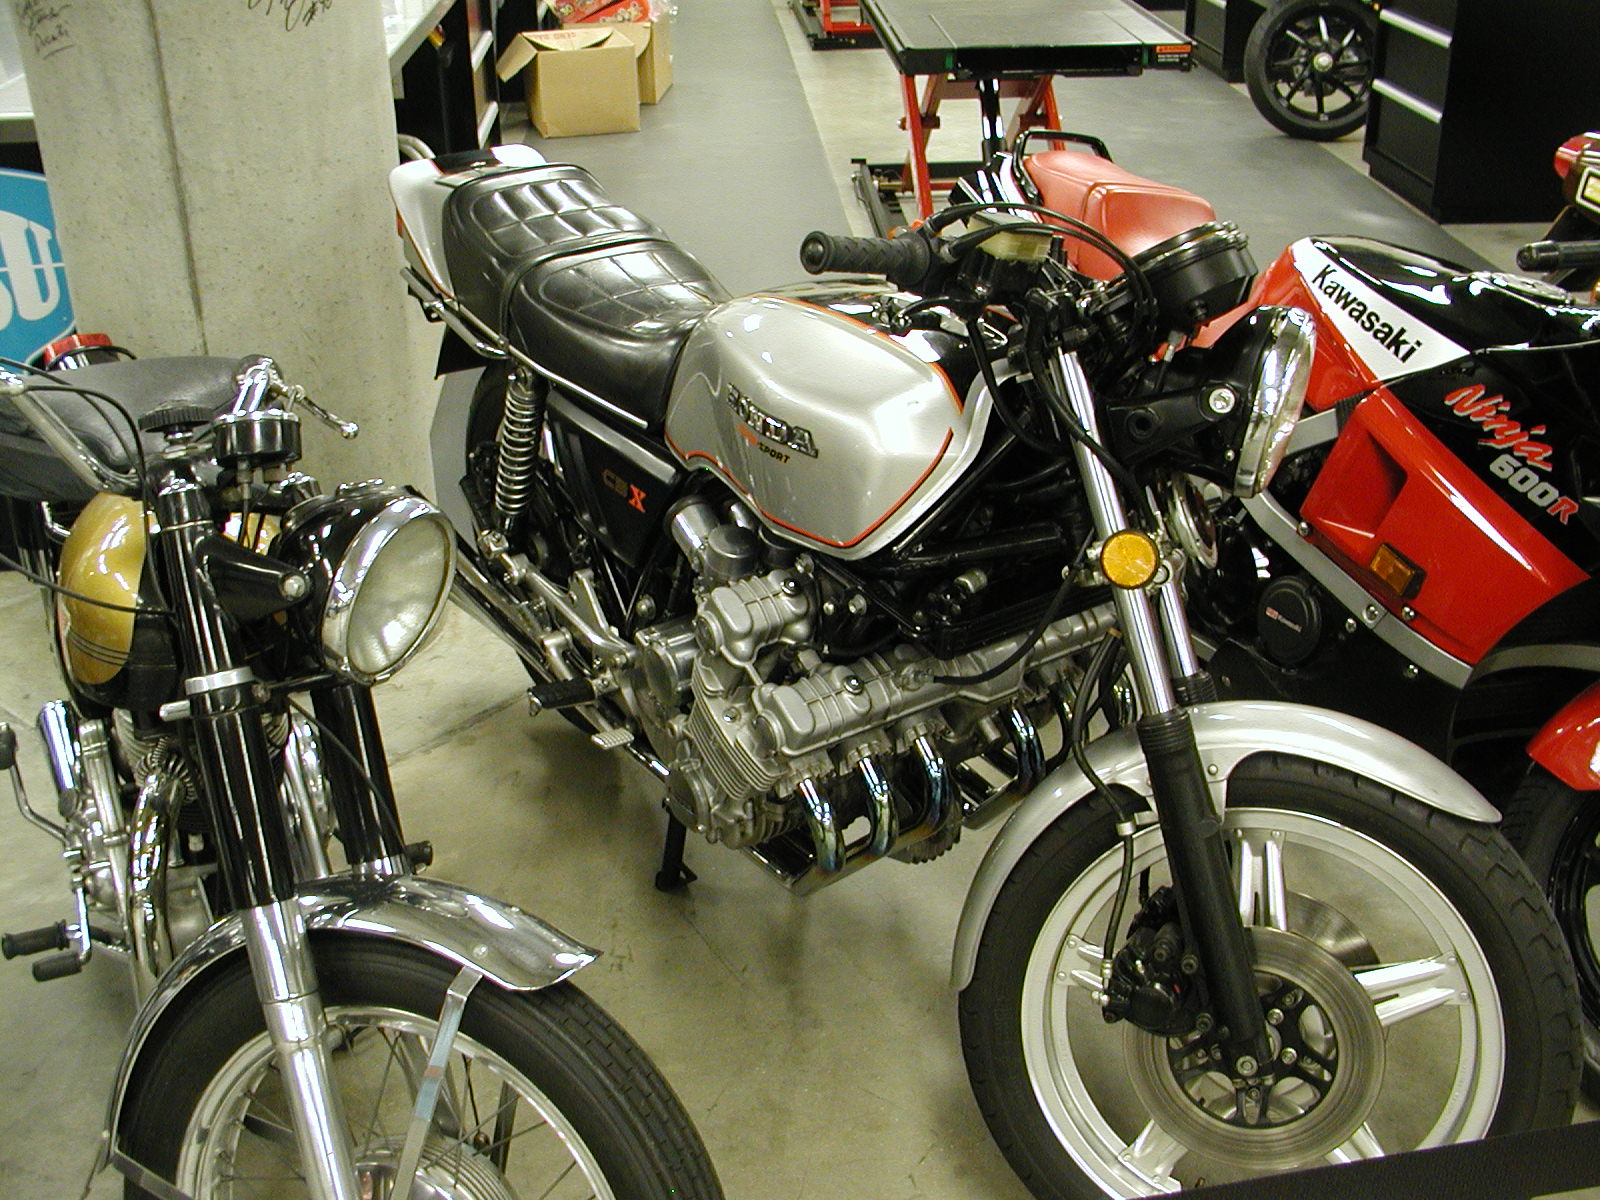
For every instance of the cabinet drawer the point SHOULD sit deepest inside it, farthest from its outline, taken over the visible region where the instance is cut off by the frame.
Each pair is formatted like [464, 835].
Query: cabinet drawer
[1439, 13]
[1416, 59]
[1404, 129]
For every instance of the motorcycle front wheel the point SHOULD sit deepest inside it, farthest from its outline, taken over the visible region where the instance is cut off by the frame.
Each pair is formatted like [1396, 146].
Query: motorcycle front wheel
[1309, 66]
[1415, 989]
[544, 1095]
[1557, 831]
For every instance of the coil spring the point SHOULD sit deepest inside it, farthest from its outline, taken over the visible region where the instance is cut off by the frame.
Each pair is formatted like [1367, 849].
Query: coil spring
[519, 444]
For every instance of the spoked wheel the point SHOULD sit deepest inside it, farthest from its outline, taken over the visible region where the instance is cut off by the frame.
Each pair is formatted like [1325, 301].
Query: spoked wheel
[1557, 830]
[1309, 66]
[1414, 988]
[543, 1094]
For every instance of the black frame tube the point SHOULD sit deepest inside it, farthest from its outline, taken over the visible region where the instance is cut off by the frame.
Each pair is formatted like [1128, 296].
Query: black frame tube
[359, 787]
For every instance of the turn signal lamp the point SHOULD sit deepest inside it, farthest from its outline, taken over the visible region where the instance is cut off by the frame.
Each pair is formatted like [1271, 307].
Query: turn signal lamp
[1397, 572]
[1129, 559]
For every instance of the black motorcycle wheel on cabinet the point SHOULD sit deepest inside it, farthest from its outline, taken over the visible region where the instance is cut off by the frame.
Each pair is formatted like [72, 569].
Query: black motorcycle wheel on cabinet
[1414, 985]
[1557, 829]
[544, 1095]
[1308, 66]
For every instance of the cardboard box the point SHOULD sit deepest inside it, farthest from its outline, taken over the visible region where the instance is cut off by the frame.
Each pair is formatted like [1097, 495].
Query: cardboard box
[581, 80]
[655, 41]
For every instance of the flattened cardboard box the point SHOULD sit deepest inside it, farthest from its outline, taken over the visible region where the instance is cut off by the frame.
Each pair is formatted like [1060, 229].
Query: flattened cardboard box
[580, 81]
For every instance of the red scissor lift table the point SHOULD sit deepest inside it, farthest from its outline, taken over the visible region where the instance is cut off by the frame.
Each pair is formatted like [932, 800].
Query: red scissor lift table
[995, 50]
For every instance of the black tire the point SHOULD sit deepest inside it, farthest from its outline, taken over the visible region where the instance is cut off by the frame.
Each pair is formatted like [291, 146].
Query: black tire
[1308, 66]
[1378, 860]
[1557, 831]
[555, 1042]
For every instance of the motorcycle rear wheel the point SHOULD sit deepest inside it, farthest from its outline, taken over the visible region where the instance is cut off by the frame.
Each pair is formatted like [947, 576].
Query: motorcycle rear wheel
[1557, 830]
[1472, 1032]
[544, 1095]
[1309, 65]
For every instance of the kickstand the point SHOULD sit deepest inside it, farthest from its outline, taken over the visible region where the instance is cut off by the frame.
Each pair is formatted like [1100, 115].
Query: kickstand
[673, 875]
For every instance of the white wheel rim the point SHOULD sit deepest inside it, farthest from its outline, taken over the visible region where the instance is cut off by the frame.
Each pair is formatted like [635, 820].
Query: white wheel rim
[1441, 986]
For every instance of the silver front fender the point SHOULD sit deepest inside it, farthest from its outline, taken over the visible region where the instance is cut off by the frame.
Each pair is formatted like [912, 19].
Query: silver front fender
[1227, 733]
[508, 946]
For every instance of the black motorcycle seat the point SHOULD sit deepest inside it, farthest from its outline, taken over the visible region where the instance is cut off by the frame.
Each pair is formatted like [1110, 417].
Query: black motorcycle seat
[500, 225]
[31, 470]
[612, 320]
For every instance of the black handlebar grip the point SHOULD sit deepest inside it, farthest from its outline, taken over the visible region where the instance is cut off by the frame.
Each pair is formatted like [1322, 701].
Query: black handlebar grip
[35, 941]
[1558, 256]
[902, 259]
[57, 966]
[8, 747]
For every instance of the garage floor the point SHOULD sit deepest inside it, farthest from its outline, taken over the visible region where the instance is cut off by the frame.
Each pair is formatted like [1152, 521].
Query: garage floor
[814, 1040]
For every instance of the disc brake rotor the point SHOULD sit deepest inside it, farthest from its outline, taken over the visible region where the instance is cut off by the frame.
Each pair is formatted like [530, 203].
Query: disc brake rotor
[1327, 1069]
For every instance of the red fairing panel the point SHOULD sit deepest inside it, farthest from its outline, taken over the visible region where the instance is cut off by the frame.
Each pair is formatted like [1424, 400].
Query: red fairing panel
[1567, 745]
[1389, 481]
[1134, 212]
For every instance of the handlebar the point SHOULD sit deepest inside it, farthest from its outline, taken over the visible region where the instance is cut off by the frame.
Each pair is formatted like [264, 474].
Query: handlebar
[904, 260]
[1558, 256]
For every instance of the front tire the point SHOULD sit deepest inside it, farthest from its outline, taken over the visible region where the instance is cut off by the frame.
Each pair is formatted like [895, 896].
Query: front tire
[544, 1094]
[1309, 65]
[1474, 1031]
[1557, 831]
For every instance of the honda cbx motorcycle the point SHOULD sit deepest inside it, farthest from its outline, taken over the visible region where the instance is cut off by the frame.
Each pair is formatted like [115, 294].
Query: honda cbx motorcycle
[317, 1020]
[850, 566]
[1426, 556]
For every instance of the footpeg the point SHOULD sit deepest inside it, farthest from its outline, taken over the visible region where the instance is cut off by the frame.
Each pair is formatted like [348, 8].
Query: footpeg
[559, 693]
[36, 941]
[57, 966]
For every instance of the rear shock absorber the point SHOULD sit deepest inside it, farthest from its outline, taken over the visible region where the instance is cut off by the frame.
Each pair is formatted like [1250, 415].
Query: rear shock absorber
[520, 428]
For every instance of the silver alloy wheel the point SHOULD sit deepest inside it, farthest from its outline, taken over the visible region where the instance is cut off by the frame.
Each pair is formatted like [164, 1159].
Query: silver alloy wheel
[495, 1135]
[1432, 992]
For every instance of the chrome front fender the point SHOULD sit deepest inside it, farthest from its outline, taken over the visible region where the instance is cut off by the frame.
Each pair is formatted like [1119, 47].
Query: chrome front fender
[508, 946]
[1227, 733]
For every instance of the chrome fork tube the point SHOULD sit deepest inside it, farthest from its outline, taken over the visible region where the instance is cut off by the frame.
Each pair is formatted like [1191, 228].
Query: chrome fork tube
[280, 960]
[1147, 657]
[1179, 642]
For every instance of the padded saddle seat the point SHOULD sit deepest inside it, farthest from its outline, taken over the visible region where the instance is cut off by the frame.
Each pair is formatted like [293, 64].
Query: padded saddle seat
[591, 291]
[1134, 212]
[31, 470]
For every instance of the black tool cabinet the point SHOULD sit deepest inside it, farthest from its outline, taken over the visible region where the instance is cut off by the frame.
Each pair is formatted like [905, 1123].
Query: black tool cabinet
[1473, 97]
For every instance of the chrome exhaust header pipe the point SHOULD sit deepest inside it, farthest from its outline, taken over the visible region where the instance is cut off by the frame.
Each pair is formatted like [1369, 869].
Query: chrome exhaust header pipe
[880, 809]
[826, 837]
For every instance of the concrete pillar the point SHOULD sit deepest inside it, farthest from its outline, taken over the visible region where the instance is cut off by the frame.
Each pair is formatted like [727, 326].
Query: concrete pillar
[217, 170]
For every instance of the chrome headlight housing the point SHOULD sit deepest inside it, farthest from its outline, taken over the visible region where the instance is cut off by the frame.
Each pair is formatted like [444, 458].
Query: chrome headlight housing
[1272, 353]
[381, 562]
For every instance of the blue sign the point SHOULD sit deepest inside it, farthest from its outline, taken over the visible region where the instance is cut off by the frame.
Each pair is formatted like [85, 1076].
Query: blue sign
[34, 308]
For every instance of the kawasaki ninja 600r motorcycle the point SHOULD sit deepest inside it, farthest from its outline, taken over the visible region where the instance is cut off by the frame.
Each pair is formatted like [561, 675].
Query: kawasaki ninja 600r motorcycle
[310, 1026]
[851, 566]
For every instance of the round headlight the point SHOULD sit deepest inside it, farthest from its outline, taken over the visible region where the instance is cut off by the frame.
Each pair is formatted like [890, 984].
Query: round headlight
[1275, 379]
[382, 560]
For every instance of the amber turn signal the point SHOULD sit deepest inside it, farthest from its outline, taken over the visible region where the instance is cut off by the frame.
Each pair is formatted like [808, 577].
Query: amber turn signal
[1129, 559]
[1397, 572]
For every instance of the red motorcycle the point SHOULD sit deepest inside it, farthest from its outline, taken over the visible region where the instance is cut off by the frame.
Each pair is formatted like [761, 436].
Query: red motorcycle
[1578, 165]
[1426, 556]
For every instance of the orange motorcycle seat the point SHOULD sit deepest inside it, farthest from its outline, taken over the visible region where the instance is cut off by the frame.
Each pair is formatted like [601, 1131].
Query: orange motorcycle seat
[1134, 212]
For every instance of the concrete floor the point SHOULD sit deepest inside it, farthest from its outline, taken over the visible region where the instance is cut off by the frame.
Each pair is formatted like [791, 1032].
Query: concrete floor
[814, 1041]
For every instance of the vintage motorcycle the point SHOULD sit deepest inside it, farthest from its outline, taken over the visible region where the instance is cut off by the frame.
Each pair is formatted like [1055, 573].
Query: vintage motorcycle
[309, 1026]
[850, 566]
[1426, 556]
